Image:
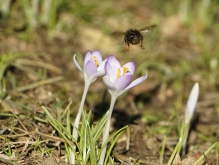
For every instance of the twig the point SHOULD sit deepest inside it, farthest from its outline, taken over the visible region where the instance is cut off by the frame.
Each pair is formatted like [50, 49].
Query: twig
[43, 82]
[38, 64]
[52, 137]
[66, 109]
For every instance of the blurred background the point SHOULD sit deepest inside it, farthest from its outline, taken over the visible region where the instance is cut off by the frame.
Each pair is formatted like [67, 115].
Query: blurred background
[38, 39]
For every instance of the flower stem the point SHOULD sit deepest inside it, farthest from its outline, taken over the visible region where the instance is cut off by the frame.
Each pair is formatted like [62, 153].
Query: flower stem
[106, 129]
[78, 117]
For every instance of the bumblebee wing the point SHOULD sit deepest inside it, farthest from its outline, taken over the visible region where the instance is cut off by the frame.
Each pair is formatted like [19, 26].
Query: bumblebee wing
[147, 29]
[117, 33]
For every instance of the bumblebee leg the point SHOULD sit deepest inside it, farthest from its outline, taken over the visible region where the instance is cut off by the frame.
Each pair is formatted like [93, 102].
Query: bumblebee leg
[127, 46]
[141, 45]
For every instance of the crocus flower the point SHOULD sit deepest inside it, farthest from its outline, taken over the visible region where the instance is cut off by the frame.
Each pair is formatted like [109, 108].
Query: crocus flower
[193, 98]
[93, 66]
[118, 80]
[190, 108]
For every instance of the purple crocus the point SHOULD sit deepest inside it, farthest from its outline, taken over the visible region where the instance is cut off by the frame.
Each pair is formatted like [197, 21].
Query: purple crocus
[93, 66]
[117, 78]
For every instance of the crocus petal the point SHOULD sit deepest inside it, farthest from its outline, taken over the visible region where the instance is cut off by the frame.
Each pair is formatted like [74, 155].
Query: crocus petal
[99, 73]
[102, 65]
[77, 64]
[87, 57]
[130, 66]
[193, 97]
[90, 55]
[100, 69]
[109, 72]
[123, 81]
[137, 81]
[108, 83]
[98, 56]
[90, 68]
[114, 63]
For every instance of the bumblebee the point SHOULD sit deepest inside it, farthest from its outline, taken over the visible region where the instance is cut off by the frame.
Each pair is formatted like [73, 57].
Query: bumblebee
[134, 36]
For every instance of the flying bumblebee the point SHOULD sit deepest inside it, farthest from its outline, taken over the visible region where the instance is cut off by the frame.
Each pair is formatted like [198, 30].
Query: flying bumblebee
[134, 36]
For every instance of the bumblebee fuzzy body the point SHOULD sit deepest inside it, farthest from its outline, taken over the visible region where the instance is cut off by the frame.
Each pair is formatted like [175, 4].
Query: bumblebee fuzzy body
[134, 37]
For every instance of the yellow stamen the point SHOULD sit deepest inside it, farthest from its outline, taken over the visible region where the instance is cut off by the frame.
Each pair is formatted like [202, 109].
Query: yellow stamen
[94, 58]
[125, 70]
[122, 71]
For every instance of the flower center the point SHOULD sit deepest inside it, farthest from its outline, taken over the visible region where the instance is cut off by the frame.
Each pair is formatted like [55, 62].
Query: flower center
[121, 71]
[94, 58]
